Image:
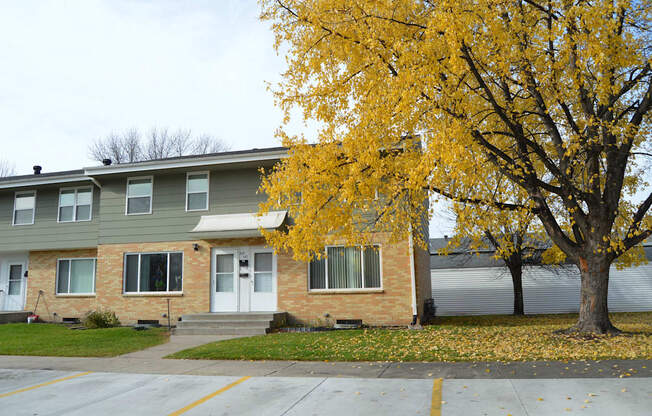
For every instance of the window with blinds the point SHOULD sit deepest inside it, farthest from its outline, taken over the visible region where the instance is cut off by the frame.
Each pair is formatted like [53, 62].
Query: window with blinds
[346, 268]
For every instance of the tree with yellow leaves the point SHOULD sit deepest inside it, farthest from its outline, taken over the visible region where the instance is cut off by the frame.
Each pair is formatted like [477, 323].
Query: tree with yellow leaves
[420, 96]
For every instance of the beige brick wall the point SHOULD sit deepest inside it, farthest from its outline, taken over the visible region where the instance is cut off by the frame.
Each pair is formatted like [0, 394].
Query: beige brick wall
[42, 277]
[391, 306]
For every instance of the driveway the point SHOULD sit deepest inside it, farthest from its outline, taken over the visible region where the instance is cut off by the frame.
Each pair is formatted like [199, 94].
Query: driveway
[42, 392]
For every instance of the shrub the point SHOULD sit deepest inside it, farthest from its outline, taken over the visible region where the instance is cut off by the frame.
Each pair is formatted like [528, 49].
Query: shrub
[101, 319]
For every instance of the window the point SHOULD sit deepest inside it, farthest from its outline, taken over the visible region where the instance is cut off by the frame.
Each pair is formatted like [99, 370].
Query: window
[197, 191]
[139, 196]
[76, 276]
[24, 205]
[263, 272]
[15, 279]
[75, 204]
[347, 268]
[153, 272]
[224, 273]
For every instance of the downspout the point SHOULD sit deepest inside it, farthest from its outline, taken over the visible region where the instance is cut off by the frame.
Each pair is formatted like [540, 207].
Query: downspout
[413, 277]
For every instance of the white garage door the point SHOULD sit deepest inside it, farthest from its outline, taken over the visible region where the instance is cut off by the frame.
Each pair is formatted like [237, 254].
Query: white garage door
[487, 291]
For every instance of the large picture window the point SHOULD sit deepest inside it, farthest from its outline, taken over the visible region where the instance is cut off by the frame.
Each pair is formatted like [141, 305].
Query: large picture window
[75, 204]
[76, 276]
[197, 191]
[346, 268]
[153, 272]
[139, 196]
[24, 207]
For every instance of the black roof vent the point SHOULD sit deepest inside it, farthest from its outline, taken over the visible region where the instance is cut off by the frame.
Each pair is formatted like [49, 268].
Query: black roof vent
[107, 162]
[37, 169]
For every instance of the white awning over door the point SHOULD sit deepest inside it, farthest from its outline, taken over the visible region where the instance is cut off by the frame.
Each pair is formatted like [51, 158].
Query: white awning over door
[238, 225]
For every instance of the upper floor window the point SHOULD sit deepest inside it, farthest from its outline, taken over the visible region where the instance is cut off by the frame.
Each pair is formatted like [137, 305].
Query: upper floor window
[347, 268]
[75, 204]
[197, 191]
[24, 207]
[139, 195]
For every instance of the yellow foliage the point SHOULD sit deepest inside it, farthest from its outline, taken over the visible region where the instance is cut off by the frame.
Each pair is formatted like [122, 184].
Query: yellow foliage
[510, 109]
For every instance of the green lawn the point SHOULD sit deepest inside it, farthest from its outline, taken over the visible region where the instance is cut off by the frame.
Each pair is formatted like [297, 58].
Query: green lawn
[59, 340]
[482, 338]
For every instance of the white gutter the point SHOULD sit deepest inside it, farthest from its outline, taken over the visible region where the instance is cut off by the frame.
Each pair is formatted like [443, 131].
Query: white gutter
[96, 182]
[221, 159]
[43, 181]
[413, 276]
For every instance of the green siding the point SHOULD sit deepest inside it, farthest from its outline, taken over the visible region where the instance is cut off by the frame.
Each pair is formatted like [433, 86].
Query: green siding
[46, 233]
[230, 192]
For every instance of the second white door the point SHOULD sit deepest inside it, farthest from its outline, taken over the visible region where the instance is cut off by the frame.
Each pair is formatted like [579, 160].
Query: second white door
[243, 279]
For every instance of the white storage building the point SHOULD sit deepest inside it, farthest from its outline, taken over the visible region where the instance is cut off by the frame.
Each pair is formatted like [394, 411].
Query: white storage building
[470, 284]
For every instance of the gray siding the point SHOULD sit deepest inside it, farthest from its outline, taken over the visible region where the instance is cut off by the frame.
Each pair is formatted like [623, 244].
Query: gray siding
[231, 192]
[488, 290]
[46, 233]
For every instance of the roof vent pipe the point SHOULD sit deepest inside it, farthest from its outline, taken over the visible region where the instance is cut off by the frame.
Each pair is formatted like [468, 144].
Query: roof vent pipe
[107, 162]
[37, 169]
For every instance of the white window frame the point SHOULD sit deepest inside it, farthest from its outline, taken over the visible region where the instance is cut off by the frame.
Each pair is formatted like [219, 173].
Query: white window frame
[138, 292]
[208, 190]
[13, 213]
[74, 206]
[356, 289]
[71, 259]
[151, 195]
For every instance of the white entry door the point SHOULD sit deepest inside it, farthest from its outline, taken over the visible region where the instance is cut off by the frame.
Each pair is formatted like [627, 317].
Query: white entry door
[224, 283]
[243, 279]
[14, 299]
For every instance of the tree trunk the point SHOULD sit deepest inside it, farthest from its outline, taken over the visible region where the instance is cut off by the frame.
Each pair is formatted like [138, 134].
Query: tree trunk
[517, 283]
[594, 313]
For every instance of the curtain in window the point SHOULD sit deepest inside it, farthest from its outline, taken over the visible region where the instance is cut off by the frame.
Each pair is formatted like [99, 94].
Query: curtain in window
[344, 268]
[371, 267]
[176, 272]
[62, 276]
[132, 273]
[318, 274]
[81, 276]
[153, 272]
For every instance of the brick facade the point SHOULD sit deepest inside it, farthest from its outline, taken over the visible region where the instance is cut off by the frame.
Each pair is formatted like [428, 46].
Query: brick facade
[392, 305]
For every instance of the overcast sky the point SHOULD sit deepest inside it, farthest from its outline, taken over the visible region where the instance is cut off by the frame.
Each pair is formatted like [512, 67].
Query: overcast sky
[73, 71]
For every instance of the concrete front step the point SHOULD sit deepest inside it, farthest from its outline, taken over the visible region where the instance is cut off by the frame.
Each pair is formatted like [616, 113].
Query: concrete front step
[13, 316]
[219, 331]
[223, 324]
[233, 316]
[229, 323]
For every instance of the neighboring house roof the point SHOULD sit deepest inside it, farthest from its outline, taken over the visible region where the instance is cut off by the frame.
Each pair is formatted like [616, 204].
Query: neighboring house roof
[86, 174]
[462, 258]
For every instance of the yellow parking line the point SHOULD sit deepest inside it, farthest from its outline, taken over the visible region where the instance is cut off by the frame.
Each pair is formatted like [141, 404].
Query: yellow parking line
[210, 396]
[11, 393]
[435, 407]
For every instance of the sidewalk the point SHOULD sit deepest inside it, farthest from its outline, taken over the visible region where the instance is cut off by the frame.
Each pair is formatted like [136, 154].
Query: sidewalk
[465, 370]
[177, 343]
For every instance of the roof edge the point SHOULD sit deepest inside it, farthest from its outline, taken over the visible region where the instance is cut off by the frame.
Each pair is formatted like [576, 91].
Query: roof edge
[35, 180]
[222, 158]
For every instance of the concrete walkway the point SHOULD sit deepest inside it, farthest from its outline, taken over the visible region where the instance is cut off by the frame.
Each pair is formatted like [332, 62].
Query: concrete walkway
[175, 344]
[153, 364]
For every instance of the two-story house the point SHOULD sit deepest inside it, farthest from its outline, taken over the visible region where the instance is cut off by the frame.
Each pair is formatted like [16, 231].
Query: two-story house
[130, 237]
